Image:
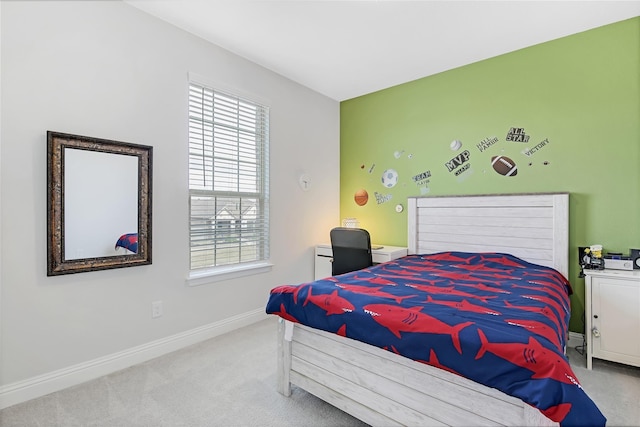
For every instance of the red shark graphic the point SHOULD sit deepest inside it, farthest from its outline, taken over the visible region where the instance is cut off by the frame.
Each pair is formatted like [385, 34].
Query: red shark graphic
[544, 310]
[465, 276]
[433, 361]
[404, 278]
[525, 356]
[483, 287]
[548, 274]
[392, 349]
[373, 291]
[283, 313]
[503, 260]
[422, 268]
[342, 331]
[497, 276]
[399, 319]
[538, 328]
[446, 256]
[535, 288]
[547, 287]
[450, 290]
[287, 289]
[420, 263]
[557, 413]
[550, 301]
[553, 276]
[331, 303]
[565, 300]
[480, 268]
[464, 305]
[399, 274]
[561, 290]
[375, 280]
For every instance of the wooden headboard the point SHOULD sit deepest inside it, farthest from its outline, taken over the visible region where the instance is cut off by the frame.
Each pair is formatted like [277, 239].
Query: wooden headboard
[534, 227]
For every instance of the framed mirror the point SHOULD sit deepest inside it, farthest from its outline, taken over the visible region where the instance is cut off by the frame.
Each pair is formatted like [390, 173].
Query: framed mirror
[98, 205]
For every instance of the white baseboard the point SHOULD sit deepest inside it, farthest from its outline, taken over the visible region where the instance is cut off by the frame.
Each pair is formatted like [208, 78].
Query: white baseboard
[21, 391]
[575, 339]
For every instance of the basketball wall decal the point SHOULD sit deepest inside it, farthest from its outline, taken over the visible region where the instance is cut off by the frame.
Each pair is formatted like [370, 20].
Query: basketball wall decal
[361, 197]
[504, 165]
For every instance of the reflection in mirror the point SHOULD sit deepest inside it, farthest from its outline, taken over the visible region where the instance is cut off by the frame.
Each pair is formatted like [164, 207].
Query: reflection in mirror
[92, 229]
[99, 204]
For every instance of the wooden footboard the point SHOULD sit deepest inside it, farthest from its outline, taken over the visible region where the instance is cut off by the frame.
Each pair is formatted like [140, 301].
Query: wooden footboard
[383, 388]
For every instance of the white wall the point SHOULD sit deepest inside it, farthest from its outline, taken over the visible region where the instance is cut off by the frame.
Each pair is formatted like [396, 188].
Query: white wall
[107, 70]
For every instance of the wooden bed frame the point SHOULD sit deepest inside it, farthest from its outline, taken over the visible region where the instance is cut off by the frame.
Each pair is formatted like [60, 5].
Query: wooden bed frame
[383, 388]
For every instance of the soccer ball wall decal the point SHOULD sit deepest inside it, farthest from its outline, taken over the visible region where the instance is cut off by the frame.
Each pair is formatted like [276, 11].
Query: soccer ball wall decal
[389, 178]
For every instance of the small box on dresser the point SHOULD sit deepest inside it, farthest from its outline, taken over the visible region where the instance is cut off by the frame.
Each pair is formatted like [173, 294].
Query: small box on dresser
[612, 316]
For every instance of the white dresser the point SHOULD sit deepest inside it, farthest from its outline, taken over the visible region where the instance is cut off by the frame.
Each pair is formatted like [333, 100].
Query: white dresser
[612, 316]
[379, 253]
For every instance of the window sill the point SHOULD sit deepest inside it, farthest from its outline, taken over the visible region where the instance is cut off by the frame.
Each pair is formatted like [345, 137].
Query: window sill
[218, 274]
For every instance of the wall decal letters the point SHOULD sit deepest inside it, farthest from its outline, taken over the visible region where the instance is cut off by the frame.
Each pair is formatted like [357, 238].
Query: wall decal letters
[421, 177]
[462, 169]
[458, 160]
[382, 198]
[517, 135]
[486, 143]
[529, 152]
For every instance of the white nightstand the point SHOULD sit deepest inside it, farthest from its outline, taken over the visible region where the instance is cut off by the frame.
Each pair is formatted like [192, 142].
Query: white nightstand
[379, 254]
[612, 316]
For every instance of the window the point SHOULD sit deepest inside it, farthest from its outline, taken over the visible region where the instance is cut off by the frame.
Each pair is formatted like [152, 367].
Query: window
[228, 181]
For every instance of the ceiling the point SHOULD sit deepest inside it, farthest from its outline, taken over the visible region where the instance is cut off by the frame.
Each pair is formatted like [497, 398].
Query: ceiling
[344, 49]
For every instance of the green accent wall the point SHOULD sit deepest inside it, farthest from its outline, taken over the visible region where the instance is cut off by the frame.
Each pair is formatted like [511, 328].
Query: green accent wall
[566, 112]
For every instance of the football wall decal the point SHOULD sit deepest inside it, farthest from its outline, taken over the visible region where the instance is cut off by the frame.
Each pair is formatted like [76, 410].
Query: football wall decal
[504, 165]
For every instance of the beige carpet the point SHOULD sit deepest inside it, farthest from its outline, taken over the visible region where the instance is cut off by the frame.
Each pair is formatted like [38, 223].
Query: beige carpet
[230, 381]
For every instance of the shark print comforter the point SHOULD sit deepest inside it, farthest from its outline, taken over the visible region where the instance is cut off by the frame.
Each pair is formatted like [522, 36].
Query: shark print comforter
[490, 317]
[128, 241]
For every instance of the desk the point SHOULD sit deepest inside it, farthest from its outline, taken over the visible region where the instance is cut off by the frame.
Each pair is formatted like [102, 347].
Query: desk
[324, 255]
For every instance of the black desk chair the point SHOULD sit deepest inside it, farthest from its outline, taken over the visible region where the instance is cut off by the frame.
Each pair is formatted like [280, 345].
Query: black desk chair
[351, 250]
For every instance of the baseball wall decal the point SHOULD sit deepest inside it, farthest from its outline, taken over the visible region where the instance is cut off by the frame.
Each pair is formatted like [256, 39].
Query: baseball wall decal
[455, 145]
[504, 166]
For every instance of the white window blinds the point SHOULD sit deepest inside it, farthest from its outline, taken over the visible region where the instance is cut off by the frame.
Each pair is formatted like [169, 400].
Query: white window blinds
[228, 179]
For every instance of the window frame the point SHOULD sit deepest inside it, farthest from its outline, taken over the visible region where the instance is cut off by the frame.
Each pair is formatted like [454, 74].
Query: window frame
[210, 274]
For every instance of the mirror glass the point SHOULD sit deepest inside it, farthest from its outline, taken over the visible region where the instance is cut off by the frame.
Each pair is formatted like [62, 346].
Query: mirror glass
[99, 204]
[91, 228]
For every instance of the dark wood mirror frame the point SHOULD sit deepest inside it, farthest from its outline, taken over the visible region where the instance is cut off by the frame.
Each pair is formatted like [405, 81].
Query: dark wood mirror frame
[56, 144]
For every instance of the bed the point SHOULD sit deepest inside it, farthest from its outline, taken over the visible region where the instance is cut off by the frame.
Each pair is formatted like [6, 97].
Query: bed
[354, 340]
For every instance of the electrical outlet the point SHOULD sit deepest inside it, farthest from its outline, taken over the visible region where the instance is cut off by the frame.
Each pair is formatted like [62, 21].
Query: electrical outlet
[156, 309]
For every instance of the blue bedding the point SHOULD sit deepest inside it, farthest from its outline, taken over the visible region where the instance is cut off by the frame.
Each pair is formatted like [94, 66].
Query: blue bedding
[128, 241]
[489, 317]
